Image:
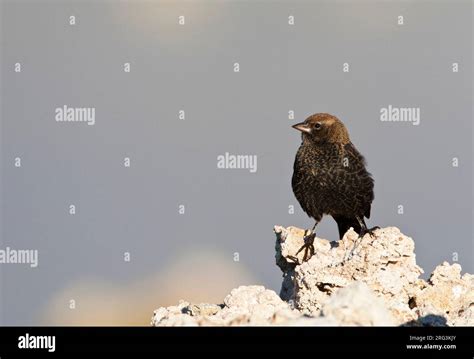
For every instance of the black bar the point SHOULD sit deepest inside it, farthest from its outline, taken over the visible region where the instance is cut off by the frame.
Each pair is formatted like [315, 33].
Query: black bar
[83, 340]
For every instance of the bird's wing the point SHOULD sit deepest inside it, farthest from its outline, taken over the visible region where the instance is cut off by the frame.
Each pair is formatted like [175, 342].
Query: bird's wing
[355, 172]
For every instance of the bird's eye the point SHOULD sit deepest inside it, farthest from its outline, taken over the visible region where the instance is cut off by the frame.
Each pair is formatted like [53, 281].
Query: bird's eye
[318, 125]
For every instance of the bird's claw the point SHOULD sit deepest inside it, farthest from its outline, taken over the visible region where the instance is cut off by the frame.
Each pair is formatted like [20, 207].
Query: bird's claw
[294, 259]
[307, 246]
[369, 231]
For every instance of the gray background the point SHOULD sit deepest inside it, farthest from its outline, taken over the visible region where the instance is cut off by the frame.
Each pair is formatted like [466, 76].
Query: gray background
[190, 67]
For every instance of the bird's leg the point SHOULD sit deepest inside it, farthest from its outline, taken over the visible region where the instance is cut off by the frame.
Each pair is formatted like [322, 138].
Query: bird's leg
[308, 243]
[363, 231]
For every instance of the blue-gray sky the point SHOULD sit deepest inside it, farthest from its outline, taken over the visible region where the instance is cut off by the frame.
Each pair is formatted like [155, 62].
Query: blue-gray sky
[174, 162]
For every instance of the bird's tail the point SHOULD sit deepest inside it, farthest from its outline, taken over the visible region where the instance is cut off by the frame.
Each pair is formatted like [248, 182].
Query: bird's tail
[344, 223]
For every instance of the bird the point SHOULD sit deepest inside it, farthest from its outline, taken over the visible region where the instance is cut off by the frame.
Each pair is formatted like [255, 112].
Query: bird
[330, 178]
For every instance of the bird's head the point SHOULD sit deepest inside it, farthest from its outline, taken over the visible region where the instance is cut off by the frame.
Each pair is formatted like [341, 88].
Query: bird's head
[323, 128]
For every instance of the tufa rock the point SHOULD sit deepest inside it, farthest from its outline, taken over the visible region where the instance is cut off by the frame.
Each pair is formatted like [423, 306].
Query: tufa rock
[357, 304]
[355, 281]
[386, 263]
[447, 294]
[354, 305]
[245, 305]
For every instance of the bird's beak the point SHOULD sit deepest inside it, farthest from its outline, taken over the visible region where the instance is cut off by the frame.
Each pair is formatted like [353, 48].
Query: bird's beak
[303, 127]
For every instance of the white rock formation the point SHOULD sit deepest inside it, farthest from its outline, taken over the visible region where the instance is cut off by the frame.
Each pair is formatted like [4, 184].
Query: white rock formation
[245, 305]
[379, 284]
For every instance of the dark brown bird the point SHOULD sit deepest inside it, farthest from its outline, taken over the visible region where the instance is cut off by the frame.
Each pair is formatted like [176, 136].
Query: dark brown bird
[330, 178]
